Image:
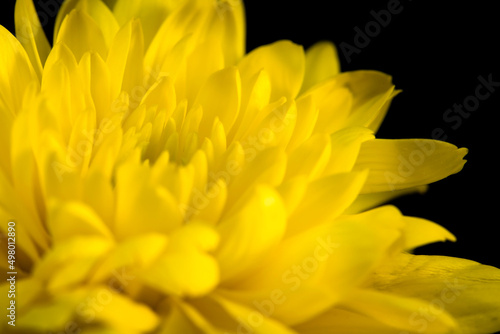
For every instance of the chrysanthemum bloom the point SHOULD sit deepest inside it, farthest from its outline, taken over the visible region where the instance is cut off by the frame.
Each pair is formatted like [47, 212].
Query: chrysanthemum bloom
[160, 180]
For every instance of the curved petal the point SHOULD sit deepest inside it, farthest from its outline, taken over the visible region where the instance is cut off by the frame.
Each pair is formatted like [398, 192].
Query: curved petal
[407, 163]
[30, 34]
[322, 62]
[254, 229]
[285, 63]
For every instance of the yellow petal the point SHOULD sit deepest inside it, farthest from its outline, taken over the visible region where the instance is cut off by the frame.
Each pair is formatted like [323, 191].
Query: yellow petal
[396, 311]
[355, 98]
[257, 225]
[465, 289]
[419, 232]
[346, 144]
[371, 91]
[307, 116]
[334, 102]
[325, 199]
[321, 63]
[276, 129]
[406, 163]
[228, 28]
[30, 34]
[292, 191]
[255, 94]
[285, 63]
[82, 34]
[15, 64]
[186, 269]
[152, 13]
[211, 203]
[122, 266]
[197, 72]
[223, 85]
[341, 321]
[103, 16]
[328, 260]
[125, 62]
[368, 201]
[51, 315]
[119, 311]
[70, 261]
[67, 220]
[310, 158]
[138, 200]
[251, 320]
[267, 167]
[97, 77]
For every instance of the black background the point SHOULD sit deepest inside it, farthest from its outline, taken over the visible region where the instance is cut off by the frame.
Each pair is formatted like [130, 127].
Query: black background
[435, 53]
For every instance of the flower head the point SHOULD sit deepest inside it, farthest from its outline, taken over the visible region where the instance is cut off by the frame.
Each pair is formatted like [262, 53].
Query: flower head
[162, 180]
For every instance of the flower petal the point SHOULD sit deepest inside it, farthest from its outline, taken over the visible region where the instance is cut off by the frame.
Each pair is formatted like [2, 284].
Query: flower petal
[257, 225]
[82, 34]
[186, 269]
[397, 311]
[465, 289]
[406, 163]
[71, 219]
[346, 144]
[15, 64]
[419, 232]
[30, 33]
[224, 85]
[322, 62]
[285, 63]
[252, 321]
[325, 199]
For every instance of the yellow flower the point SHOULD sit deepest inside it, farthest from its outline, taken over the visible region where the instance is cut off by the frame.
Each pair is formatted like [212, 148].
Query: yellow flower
[155, 178]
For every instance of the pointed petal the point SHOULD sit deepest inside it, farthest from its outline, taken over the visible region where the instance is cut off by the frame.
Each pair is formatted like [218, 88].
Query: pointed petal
[186, 268]
[325, 199]
[256, 226]
[407, 163]
[419, 232]
[396, 311]
[322, 62]
[310, 158]
[465, 289]
[285, 63]
[224, 85]
[30, 33]
[252, 321]
[71, 219]
[346, 144]
[82, 34]
[15, 64]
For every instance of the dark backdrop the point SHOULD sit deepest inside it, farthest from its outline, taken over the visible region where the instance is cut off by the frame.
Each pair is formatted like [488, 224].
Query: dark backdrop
[435, 53]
